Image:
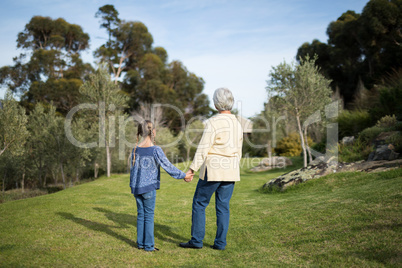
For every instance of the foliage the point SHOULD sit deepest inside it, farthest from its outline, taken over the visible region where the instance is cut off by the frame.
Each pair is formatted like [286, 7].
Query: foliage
[387, 121]
[191, 138]
[52, 69]
[110, 18]
[369, 134]
[109, 101]
[396, 141]
[268, 126]
[290, 145]
[358, 150]
[169, 143]
[389, 100]
[145, 74]
[18, 194]
[52, 79]
[363, 46]
[304, 91]
[13, 132]
[351, 123]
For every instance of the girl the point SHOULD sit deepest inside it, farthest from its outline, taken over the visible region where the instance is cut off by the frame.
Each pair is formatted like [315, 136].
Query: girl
[146, 160]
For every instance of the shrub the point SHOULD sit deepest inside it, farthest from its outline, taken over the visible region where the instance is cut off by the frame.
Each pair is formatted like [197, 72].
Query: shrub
[390, 97]
[165, 139]
[320, 146]
[350, 123]
[396, 141]
[387, 121]
[290, 145]
[369, 134]
[357, 151]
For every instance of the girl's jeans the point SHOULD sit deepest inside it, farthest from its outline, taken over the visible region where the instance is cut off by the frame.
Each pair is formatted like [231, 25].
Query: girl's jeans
[145, 220]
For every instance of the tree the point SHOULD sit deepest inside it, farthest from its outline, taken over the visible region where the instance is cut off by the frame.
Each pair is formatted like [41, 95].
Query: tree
[361, 47]
[110, 18]
[51, 69]
[39, 124]
[269, 126]
[192, 137]
[13, 120]
[304, 90]
[131, 41]
[146, 75]
[109, 100]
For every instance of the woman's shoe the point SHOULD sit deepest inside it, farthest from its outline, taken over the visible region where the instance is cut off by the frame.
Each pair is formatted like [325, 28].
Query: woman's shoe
[188, 245]
[215, 247]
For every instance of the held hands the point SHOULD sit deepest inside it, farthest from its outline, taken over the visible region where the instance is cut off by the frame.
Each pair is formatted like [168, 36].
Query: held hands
[189, 175]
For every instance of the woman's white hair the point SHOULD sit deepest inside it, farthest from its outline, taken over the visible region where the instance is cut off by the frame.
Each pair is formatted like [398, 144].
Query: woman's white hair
[223, 99]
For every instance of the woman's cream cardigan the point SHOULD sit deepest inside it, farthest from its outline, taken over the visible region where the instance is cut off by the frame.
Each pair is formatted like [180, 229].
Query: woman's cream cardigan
[220, 149]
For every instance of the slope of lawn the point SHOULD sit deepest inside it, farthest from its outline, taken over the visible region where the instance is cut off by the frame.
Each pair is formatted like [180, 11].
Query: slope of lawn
[347, 219]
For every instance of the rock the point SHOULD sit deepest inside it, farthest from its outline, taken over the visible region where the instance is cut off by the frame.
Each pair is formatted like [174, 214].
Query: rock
[382, 149]
[301, 175]
[383, 152]
[348, 140]
[371, 166]
[272, 162]
[322, 159]
[317, 161]
[322, 169]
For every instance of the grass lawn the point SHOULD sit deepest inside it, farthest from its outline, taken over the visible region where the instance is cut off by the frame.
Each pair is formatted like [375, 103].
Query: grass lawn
[346, 219]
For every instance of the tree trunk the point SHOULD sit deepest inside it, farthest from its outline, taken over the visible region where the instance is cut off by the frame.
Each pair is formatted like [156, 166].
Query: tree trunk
[22, 182]
[188, 153]
[4, 182]
[62, 175]
[108, 160]
[269, 148]
[40, 178]
[44, 180]
[310, 157]
[40, 171]
[96, 170]
[77, 175]
[302, 141]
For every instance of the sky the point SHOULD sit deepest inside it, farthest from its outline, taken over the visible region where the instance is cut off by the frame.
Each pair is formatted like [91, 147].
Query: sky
[229, 43]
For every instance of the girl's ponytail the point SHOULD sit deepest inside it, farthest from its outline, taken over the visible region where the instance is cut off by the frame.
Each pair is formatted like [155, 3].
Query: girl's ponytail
[146, 125]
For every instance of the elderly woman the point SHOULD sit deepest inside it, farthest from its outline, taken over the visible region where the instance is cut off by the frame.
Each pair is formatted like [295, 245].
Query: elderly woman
[217, 156]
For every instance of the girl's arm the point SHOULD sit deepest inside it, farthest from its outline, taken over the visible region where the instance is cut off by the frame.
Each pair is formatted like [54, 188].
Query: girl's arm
[166, 165]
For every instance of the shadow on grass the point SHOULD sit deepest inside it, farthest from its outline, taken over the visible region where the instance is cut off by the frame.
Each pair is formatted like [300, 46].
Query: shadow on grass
[123, 221]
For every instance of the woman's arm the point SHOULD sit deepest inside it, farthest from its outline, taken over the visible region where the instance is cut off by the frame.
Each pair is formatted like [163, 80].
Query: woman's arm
[166, 165]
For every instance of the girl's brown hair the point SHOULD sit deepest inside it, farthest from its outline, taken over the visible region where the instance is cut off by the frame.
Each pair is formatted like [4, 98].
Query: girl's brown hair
[145, 129]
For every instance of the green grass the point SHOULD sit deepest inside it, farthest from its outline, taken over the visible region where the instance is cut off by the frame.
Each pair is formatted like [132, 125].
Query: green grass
[342, 220]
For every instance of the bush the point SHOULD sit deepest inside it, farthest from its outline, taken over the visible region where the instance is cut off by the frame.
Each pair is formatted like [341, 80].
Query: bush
[396, 141]
[169, 143]
[369, 134]
[350, 123]
[320, 147]
[291, 145]
[387, 121]
[390, 97]
[357, 151]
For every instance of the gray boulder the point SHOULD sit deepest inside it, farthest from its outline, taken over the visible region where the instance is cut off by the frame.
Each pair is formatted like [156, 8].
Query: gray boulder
[348, 140]
[322, 169]
[302, 175]
[383, 152]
